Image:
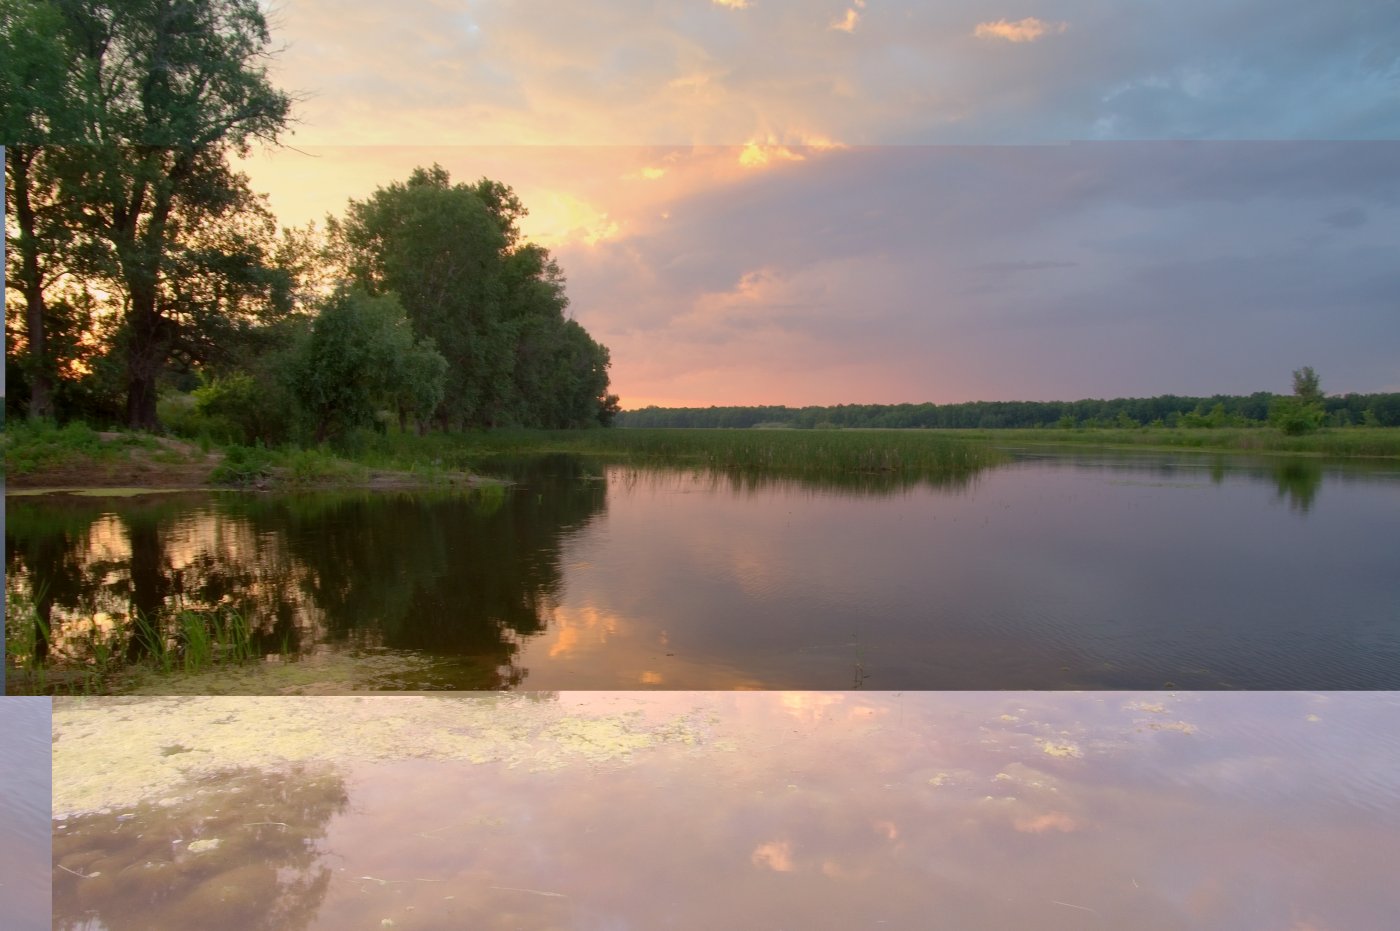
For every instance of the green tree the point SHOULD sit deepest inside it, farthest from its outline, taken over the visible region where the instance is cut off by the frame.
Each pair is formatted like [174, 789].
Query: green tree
[36, 103]
[493, 306]
[361, 357]
[438, 246]
[159, 93]
[1306, 385]
[1303, 412]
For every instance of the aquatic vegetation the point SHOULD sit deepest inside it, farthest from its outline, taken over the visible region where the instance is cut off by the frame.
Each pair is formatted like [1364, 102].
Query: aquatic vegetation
[849, 457]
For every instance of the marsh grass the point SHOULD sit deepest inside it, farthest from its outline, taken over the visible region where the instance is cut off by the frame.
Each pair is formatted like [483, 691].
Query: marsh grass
[1344, 442]
[792, 453]
[108, 660]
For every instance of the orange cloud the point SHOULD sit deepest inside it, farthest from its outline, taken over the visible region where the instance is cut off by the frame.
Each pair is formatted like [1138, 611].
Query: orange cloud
[733, 4]
[1053, 821]
[1023, 30]
[758, 154]
[848, 23]
[556, 217]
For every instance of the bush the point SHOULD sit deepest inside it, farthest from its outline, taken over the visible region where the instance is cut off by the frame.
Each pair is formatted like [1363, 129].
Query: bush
[1294, 416]
[243, 465]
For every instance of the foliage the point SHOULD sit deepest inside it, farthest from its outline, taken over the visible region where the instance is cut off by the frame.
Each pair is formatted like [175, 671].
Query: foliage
[128, 170]
[1171, 410]
[361, 357]
[1305, 411]
[243, 465]
[32, 447]
[493, 307]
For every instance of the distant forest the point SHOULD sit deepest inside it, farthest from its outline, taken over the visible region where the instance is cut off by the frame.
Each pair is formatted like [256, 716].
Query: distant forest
[1168, 410]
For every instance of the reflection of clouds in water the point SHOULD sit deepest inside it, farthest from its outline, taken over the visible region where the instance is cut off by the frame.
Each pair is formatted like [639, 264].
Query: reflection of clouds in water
[572, 627]
[888, 808]
[775, 855]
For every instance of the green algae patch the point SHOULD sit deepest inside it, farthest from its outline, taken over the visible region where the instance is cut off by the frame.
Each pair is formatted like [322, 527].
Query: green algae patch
[114, 752]
[1061, 749]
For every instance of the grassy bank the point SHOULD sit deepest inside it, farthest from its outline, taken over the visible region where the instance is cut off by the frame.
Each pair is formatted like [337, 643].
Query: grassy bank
[77, 455]
[1367, 442]
[784, 451]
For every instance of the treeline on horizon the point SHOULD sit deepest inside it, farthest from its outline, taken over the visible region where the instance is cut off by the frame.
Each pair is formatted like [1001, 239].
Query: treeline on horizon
[150, 287]
[1168, 410]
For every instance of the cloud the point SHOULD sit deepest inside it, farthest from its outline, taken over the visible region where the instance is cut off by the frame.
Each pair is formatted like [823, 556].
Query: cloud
[906, 273]
[532, 72]
[733, 4]
[759, 154]
[847, 23]
[1051, 821]
[1023, 30]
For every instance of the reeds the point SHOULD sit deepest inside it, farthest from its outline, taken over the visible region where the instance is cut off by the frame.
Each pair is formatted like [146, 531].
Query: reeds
[187, 642]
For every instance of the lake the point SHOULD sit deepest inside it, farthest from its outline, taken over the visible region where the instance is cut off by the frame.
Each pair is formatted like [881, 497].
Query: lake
[1061, 569]
[1154, 811]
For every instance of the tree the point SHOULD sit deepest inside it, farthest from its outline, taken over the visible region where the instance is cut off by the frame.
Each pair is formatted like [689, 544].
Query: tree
[439, 247]
[159, 92]
[493, 306]
[35, 103]
[361, 357]
[1306, 386]
[1304, 411]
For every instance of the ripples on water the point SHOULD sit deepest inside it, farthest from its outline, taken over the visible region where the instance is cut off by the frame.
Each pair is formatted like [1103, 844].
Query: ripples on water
[717, 810]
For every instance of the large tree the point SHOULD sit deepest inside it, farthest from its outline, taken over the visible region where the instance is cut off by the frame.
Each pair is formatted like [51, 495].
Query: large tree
[36, 103]
[438, 246]
[162, 92]
[492, 304]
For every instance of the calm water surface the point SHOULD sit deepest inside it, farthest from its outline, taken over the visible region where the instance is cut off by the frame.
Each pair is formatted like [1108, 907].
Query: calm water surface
[751, 810]
[25, 833]
[1061, 570]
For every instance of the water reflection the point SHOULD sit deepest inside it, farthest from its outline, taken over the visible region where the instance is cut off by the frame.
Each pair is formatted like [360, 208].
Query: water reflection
[242, 849]
[447, 574]
[988, 810]
[1063, 569]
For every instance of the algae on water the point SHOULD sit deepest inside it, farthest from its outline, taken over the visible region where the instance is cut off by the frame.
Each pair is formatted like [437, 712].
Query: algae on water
[115, 752]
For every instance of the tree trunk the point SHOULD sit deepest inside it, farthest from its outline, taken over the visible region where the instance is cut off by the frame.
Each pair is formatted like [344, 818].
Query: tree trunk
[144, 358]
[147, 332]
[37, 368]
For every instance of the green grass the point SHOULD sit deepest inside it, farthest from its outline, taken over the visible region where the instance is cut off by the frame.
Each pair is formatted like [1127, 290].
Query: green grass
[780, 450]
[36, 446]
[1365, 442]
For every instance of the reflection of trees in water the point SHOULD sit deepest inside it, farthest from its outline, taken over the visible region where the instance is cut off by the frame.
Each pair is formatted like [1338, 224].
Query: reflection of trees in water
[1296, 478]
[446, 572]
[856, 484]
[135, 870]
[87, 564]
[1299, 480]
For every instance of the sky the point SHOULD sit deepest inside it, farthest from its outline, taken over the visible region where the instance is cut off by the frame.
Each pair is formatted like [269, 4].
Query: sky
[770, 202]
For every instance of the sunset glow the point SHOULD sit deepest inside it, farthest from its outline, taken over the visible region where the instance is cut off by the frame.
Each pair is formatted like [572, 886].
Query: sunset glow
[779, 203]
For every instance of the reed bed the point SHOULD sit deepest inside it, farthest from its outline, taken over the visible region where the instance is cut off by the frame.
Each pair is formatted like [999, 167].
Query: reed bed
[794, 453]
